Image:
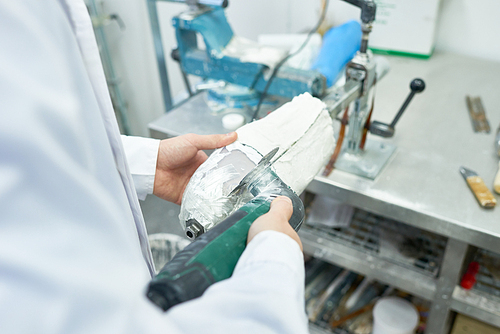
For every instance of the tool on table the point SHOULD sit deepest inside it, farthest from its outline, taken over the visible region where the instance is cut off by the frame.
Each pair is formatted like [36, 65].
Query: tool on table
[477, 114]
[212, 257]
[476, 184]
[496, 182]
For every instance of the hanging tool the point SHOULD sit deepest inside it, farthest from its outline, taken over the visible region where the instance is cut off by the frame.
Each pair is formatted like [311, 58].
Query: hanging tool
[476, 184]
[212, 257]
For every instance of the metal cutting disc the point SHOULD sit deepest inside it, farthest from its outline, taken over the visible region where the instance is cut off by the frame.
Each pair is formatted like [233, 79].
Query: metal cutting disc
[264, 163]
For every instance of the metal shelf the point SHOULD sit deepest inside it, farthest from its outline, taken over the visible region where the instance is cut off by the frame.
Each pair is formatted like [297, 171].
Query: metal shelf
[323, 246]
[483, 300]
[391, 240]
[476, 304]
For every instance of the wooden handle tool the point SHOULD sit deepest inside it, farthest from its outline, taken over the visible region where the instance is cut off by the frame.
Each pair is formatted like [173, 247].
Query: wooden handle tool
[476, 184]
[496, 183]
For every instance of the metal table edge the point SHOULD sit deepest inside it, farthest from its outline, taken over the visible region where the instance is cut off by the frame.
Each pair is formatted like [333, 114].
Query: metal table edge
[432, 223]
[475, 312]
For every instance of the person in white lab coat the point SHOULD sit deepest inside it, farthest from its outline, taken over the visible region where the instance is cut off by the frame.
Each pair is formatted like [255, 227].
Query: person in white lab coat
[74, 255]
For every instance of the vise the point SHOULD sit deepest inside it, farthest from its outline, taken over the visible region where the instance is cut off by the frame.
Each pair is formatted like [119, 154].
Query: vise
[234, 59]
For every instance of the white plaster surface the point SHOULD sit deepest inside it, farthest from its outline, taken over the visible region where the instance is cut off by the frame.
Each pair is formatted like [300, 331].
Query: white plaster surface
[303, 131]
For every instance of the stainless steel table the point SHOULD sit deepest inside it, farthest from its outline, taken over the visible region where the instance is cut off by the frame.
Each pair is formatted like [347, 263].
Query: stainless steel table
[421, 185]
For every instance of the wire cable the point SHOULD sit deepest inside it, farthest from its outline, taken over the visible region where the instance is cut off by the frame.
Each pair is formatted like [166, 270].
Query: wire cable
[285, 59]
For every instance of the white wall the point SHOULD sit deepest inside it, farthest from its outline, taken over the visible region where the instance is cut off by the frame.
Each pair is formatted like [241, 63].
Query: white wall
[470, 27]
[465, 27]
[134, 62]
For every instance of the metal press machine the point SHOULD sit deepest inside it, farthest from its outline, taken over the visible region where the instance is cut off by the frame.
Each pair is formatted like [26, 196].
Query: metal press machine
[206, 18]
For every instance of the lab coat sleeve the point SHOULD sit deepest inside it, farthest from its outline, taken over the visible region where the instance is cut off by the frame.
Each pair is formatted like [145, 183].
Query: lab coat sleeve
[264, 295]
[70, 257]
[141, 154]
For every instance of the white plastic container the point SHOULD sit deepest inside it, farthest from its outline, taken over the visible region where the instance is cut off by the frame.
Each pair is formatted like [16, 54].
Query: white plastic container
[233, 121]
[394, 315]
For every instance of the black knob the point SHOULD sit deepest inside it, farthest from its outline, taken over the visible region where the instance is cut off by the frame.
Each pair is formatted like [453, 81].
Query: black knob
[417, 85]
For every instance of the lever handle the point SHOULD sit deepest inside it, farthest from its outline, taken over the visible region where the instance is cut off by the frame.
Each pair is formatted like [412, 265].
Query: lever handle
[387, 130]
[417, 86]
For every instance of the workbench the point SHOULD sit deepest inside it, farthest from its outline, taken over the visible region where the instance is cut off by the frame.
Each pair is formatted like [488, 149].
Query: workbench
[420, 186]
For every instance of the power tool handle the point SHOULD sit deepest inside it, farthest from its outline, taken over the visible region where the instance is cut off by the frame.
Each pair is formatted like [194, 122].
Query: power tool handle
[212, 257]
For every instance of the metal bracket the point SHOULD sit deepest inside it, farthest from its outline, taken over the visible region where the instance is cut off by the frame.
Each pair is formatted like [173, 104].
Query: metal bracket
[367, 163]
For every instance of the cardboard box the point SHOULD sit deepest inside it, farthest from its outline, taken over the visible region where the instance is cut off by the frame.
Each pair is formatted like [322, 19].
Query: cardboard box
[466, 325]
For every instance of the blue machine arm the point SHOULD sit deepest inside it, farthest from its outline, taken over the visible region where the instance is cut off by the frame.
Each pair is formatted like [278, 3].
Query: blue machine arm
[212, 25]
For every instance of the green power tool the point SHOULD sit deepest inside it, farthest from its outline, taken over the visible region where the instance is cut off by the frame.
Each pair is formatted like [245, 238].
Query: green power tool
[212, 257]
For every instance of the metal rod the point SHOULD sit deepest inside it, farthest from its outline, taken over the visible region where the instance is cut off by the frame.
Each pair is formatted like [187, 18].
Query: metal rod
[160, 54]
[402, 109]
[186, 81]
[116, 95]
[364, 42]
[439, 315]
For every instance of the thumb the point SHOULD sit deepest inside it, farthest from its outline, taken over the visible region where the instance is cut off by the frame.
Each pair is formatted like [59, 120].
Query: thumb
[210, 142]
[282, 206]
[276, 220]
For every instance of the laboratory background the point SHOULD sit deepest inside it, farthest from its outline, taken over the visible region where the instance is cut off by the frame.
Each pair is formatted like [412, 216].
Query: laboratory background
[401, 227]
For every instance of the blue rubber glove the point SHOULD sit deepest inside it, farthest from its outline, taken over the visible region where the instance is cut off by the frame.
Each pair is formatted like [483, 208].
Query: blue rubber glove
[340, 44]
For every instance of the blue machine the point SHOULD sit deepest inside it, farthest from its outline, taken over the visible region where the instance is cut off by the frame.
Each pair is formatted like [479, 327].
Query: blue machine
[206, 19]
[211, 23]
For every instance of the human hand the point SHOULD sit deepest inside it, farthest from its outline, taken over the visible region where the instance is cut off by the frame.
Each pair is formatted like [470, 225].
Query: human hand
[276, 220]
[178, 159]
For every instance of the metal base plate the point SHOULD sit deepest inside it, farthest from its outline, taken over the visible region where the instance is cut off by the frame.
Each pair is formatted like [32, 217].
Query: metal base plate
[368, 163]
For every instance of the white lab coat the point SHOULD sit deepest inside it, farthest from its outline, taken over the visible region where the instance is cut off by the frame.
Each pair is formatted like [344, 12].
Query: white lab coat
[74, 256]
